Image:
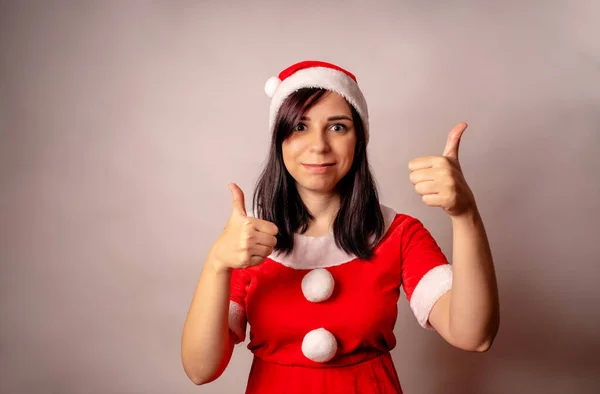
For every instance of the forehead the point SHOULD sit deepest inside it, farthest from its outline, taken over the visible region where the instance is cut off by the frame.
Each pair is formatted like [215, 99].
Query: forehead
[330, 104]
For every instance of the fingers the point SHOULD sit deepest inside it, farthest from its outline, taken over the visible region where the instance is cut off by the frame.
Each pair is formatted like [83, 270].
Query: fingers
[257, 243]
[265, 239]
[421, 176]
[420, 163]
[256, 260]
[256, 255]
[423, 162]
[427, 187]
[453, 140]
[429, 174]
[434, 200]
[264, 227]
[238, 203]
[260, 250]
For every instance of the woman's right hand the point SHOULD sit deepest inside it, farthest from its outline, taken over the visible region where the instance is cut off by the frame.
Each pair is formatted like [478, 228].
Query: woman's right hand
[245, 241]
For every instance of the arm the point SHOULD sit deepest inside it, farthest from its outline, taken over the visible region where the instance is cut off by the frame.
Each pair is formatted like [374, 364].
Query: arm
[468, 316]
[207, 343]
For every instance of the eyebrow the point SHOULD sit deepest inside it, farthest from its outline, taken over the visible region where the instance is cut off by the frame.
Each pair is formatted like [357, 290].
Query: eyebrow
[331, 118]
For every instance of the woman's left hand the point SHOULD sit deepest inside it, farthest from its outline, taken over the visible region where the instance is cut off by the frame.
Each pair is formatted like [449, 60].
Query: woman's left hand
[439, 179]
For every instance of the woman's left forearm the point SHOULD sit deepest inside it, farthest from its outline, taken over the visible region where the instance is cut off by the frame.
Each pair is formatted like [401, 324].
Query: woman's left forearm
[474, 314]
[468, 316]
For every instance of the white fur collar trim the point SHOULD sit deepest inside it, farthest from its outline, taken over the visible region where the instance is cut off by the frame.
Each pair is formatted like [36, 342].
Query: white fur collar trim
[321, 252]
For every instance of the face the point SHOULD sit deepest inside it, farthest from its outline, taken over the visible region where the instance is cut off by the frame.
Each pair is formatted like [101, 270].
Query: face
[320, 150]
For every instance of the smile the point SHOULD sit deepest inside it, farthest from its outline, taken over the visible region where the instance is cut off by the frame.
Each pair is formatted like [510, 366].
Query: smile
[318, 168]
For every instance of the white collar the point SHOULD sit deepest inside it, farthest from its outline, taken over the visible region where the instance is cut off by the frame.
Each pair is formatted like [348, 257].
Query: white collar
[312, 252]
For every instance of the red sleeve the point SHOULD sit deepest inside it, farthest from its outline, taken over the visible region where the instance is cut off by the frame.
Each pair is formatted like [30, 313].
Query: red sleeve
[426, 273]
[237, 303]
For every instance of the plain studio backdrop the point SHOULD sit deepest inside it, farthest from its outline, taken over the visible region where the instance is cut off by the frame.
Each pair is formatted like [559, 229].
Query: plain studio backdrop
[121, 124]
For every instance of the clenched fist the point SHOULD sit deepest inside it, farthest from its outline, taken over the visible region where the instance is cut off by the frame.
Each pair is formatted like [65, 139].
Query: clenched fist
[245, 241]
[439, 179]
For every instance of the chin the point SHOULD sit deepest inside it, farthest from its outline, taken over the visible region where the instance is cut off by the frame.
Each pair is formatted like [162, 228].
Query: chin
[324, 189]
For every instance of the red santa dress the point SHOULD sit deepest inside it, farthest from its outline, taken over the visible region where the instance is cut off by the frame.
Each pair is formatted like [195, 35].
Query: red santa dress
[321, 320]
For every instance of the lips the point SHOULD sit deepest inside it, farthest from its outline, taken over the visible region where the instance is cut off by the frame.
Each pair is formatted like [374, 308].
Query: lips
[318, 168]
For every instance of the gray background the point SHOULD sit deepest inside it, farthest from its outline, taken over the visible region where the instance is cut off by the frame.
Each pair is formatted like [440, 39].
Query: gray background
[121, 124]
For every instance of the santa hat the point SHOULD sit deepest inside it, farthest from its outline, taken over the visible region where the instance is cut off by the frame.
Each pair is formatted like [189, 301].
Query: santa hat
[315, 74]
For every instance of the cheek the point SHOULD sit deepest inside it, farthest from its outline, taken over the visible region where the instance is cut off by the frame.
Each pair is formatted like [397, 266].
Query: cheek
[289, 151]
[293, 147]
[348, 156]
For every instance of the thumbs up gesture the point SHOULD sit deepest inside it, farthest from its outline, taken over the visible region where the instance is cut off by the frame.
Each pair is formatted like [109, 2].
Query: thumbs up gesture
[439, 179]
[245, 241]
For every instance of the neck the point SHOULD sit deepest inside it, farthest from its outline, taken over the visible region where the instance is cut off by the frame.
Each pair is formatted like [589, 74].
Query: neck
[323, 207]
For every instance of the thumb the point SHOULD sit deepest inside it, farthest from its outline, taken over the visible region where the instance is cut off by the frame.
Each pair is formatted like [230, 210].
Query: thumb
[238, 204]
[453, 141]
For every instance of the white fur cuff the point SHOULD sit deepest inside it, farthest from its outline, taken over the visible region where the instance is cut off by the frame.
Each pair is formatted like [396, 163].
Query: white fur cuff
[435, 283]
[237, 321]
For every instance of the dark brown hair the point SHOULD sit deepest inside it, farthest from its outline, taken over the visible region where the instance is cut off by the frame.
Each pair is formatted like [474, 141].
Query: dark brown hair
[276, 198]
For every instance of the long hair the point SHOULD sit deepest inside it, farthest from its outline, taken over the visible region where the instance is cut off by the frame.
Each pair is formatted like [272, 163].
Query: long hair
[358, 225]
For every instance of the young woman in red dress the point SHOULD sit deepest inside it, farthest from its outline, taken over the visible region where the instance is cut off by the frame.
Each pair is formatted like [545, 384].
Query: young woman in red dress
[316, 273]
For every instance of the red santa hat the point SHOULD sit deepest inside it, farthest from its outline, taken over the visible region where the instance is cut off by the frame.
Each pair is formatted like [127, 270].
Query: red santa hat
[316, 74]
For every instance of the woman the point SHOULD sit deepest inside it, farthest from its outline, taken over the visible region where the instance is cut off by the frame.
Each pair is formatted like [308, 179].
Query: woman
[317, 273]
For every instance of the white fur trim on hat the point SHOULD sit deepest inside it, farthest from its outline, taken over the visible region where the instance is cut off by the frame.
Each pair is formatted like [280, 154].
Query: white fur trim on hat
[319, 345]
[319, 77]
[318, 285]
[434, 284]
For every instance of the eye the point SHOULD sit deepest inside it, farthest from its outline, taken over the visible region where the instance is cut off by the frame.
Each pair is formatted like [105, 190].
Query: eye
[300, 127]
[339, 127]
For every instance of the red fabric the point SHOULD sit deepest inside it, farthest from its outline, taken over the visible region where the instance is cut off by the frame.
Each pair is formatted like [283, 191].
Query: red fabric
[375, 376]
[420, 253]
[239, 284]
[361, 314]
[312, 63]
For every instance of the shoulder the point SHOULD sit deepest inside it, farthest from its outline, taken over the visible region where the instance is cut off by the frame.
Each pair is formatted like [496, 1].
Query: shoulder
[396, 221]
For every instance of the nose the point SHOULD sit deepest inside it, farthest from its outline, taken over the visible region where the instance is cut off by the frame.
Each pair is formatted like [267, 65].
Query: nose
[319, 141]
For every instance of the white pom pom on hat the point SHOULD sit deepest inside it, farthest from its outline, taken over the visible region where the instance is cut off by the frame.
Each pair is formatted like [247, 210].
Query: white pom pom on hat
[271, 86]
[316, 74]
